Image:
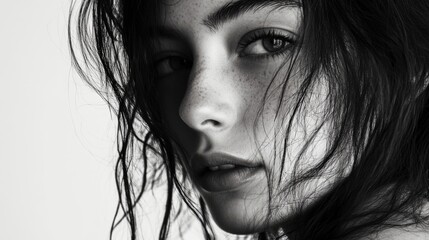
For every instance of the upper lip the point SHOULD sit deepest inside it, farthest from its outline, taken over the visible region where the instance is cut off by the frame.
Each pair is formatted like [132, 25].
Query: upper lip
[200, 163]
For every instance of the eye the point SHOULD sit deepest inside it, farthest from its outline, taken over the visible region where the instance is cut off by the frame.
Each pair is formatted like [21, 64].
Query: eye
[171, 64]
[265, 43]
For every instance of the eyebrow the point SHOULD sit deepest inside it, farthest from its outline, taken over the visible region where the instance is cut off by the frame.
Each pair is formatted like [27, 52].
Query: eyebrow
[233, 10]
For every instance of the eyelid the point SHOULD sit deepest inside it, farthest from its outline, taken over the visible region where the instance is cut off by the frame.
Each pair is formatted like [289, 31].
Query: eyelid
[165, 60]
[161, 55]
[260, 33]
[170, 47]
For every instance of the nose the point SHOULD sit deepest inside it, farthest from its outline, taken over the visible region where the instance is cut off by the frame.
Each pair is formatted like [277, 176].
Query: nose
[210, 102]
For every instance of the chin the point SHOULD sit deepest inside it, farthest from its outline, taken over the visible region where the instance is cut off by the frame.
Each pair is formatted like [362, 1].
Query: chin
[238, 213]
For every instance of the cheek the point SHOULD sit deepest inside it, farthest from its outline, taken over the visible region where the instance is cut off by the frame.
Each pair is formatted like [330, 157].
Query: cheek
[171, 92]
[258, 90]
[305, 147]
[271, 104]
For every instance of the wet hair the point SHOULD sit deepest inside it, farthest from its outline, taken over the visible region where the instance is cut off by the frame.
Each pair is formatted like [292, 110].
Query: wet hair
[374, 56]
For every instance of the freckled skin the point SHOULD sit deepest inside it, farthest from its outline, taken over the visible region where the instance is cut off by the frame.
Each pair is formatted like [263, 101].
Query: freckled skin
[229, 89]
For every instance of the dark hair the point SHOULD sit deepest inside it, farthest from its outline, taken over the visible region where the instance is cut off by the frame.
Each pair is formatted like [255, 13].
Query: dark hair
[375, 56]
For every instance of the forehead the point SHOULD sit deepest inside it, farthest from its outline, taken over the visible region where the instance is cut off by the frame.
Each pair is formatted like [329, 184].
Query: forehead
[186, 14]
[180, 10]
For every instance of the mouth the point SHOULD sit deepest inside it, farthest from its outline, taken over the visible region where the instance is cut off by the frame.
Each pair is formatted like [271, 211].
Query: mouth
[219, 172]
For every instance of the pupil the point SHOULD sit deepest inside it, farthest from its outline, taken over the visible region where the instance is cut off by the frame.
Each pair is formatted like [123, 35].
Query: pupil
[177, 63]
[273, 44]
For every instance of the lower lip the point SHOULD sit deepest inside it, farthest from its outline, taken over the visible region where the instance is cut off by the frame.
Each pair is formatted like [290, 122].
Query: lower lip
[229, 179]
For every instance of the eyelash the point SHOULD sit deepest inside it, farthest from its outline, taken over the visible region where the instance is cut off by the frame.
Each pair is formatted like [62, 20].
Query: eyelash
[262, 34]
[249, 39]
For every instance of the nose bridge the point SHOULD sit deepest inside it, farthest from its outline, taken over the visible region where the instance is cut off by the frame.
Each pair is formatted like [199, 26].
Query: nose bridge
[208, 104]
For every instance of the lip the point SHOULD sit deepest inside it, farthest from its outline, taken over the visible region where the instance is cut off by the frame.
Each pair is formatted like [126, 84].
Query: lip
[201, 163]
[223, 179]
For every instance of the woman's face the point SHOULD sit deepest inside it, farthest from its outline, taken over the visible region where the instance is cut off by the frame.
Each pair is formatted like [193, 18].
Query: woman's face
[217, 65]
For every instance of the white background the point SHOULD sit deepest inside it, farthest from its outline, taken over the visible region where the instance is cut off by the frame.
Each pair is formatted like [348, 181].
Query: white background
[57, 137]
[57, 144]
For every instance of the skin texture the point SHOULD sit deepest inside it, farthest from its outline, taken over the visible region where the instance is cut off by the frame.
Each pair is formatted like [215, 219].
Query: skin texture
[220, 92]
[214, 104]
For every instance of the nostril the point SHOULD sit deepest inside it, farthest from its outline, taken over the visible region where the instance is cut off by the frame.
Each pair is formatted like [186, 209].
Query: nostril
[214, 123]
